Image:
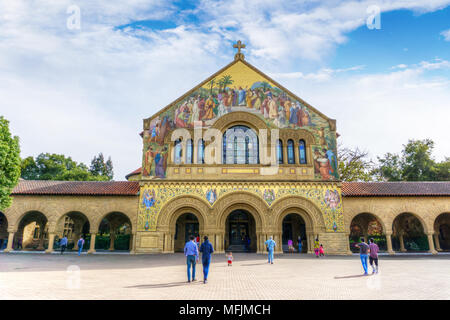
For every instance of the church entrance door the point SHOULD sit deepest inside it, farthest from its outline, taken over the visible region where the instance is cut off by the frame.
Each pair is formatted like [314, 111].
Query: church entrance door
[241, 232]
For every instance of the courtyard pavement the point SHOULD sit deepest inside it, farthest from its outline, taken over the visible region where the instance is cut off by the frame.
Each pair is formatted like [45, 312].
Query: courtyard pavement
[163, 276]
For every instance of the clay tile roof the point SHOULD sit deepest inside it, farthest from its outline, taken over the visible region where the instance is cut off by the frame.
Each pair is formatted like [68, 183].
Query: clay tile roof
[137, 171]
[392, 189]
[88, 188]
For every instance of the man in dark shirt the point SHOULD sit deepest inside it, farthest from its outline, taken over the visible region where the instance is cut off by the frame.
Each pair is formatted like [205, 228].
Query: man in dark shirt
[206, 249]
[363, 251]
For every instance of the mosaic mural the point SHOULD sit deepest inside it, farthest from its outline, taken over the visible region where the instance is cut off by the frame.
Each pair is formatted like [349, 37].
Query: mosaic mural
[239, 88]
[154, 198]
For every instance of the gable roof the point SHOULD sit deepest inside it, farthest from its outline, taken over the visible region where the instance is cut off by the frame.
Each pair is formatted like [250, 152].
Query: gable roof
[237, 60]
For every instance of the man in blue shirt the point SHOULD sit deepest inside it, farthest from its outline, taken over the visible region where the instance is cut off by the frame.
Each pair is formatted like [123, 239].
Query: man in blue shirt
[63, 244]
[270, 244]
[191, 253]
[206, 249]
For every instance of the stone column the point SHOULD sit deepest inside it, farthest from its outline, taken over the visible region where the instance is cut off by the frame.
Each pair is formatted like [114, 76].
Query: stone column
[41, 239]
[112, 238]
[285, 159]
[311, 243]
[132, 243]
[75, 242]
[431, 243]
[436, 241]
[389, 243]
[279, 242]
[51, 241]
[92, 246]
[9, 247]
[402, 243]
[349, 252]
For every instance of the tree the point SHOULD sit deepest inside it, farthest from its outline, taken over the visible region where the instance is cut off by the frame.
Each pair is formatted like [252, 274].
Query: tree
[101, 168]
[9, 163]
[414, 164]
[48, 166]
[354, 165]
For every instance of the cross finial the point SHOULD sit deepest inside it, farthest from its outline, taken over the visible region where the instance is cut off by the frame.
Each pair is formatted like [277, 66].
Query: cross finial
[239, 45]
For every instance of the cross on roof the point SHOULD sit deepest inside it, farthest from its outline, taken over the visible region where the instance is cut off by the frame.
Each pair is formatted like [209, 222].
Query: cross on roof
[239, 45]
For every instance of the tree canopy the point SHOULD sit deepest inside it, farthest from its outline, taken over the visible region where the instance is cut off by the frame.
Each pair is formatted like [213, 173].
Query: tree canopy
[48, 166]
[9, 163]
[414, 163]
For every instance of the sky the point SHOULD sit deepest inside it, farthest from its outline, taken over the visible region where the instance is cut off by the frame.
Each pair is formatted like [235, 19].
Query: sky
[78, 77]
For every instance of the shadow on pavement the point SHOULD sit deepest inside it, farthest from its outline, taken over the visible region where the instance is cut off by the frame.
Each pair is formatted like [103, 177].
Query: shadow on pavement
[163, 285]
[353, 276]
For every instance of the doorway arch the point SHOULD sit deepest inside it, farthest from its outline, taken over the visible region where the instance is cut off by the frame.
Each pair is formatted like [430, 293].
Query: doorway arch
[294, 229]
[240, 229]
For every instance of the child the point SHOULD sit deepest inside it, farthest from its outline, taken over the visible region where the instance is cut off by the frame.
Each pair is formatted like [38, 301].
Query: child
[321, 251]
[230, 258]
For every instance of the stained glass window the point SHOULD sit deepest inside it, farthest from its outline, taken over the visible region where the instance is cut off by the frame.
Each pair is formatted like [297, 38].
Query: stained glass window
[280, 151]
[178, 151]
[302, 151]
[290, 152]
[189, 151]
[240, 146]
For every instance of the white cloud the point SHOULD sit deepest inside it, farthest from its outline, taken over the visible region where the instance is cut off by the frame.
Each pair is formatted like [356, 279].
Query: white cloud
[446, 34]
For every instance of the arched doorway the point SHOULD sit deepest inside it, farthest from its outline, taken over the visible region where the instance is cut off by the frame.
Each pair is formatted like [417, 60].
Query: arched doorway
[186, 225]
[294, 227]
[368, 226]
[3, 231]
[442, 232]
[408, 234]
[114, 233]
[73, 225]
[240, 232]
[32, 233]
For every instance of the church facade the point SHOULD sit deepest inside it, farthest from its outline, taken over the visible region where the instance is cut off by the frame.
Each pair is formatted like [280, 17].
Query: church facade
[238, 158]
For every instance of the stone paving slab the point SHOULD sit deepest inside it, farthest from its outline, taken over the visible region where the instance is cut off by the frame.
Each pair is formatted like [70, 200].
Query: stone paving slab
[163, 276]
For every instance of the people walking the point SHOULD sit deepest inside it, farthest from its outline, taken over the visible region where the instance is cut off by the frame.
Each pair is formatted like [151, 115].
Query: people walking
[80, 244]
[63, 244]
[230, 258]
[363, 250]
[316, 247]
[191, 253]
[206, 249]
[270, 244]
[299, 240]
[373, 256]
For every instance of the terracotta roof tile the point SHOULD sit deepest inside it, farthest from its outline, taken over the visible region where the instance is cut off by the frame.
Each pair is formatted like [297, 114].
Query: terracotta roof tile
[374, 189]
[90, 188]
[137, 171]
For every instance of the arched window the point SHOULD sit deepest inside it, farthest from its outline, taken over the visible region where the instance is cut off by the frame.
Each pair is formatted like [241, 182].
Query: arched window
[290, 152]
[302, 151]
[240, 146]
[201, 151]
[178, 151]
[189, 151]
[280, 151]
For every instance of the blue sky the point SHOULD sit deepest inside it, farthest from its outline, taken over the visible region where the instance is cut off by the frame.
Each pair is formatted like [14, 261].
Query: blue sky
[86, 90]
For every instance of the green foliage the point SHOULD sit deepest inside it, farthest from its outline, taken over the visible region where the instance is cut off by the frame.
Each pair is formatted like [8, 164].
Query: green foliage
[101, 168]
[354, 165]
[414, 164]
[48, 166]
[9, 163]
